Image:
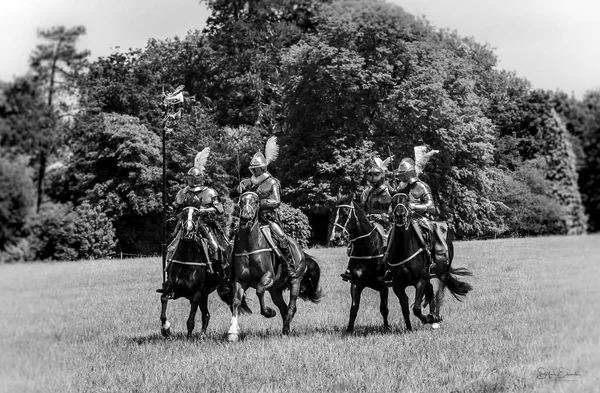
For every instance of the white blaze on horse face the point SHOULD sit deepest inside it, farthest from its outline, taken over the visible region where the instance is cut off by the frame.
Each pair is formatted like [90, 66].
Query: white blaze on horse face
[234, 327]
[189, 225]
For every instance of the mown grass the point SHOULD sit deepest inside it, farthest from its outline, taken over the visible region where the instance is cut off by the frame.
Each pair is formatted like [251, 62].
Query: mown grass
[94, 326]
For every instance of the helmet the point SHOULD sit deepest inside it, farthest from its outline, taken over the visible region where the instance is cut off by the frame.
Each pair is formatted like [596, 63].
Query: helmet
[195, 177]
[406, 171]
[258, 160]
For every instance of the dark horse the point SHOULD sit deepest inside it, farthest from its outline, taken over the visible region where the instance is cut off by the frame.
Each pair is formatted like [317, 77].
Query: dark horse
[409, 264]
[254, 265]
[190, 275]
[367, 247]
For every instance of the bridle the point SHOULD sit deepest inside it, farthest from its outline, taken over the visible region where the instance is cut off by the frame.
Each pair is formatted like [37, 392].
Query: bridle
[352, 214]
[406, 213]
[248, 205]
[189, 221]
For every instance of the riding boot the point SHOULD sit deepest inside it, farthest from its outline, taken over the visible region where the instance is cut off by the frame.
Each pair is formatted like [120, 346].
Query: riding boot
[289, 262]
[166, 289]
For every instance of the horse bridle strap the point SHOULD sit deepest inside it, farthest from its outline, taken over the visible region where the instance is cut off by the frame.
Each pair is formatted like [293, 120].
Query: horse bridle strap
[420, 250]
[245, 254]
[367, 257]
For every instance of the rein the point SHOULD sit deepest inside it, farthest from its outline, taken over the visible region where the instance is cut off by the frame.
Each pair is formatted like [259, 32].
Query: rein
[248, 253]
[353, 214]
[420, 250]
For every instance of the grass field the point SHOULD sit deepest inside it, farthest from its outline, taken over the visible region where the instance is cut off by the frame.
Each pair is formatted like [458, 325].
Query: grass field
[94, 327]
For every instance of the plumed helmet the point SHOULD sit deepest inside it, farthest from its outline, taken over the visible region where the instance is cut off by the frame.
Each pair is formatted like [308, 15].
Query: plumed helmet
[260, 160]
[406, 171]
[195, 177]
[376, 165]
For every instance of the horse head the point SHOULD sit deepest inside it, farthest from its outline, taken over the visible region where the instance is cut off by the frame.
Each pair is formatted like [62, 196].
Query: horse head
[346, 220]
[401, 213]
[249, 205]
[189, 217]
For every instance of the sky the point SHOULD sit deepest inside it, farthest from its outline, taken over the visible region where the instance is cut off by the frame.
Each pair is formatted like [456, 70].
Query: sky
[555, 44]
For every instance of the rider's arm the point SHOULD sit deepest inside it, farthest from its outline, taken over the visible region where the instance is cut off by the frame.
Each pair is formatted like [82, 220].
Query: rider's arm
[274, 199]
[425, 205]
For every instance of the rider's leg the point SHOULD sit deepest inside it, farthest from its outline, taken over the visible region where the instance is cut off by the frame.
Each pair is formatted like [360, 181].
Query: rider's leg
[387, 276]
[284, 245]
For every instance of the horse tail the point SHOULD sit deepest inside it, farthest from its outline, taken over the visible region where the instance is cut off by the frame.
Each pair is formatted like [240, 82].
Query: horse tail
[457, 288]
[309, 286]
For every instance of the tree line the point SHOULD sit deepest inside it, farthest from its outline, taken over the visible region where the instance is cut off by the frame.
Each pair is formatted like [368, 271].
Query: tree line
[336, 81]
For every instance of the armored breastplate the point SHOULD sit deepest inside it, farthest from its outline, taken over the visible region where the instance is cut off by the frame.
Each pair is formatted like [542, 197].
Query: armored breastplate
[377, 200]
[199, 197]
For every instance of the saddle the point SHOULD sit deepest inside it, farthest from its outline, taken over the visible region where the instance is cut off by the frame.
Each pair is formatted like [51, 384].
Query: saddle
[266, 231]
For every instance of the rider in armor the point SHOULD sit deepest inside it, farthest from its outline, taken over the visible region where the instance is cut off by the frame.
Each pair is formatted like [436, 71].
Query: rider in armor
[268, 189]
[207, 201]
[376, 198]
[421, 204]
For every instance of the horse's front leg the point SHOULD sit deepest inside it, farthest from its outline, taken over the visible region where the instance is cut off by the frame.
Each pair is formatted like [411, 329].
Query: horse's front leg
[265, 283]
[191, 322]
[383, 305]
[234, 328]
[400, 291]
[204, 311]
[165, 329]
[355, 293]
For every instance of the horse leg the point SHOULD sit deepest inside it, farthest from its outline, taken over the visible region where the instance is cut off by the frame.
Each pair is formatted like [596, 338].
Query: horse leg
[165, 329]
[383, 306]
[291, 308]
[204, 311]
[439, 288]
[265, 283]
[277, 297]
[355, 293]
[419, 295]
[234, 328]
[400, 291]
[191, 323]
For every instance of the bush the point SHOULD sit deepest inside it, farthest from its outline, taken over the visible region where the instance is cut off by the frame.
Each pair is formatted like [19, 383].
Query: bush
[16, 200]
[529, 211]
[61, 232]
[295, 224]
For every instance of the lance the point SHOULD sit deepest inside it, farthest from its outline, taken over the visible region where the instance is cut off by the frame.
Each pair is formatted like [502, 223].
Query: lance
[171, 103]
[393, 169]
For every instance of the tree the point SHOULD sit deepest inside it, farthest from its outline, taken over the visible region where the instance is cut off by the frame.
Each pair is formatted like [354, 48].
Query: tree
[589, 175]
[16, 200]
[57, 66]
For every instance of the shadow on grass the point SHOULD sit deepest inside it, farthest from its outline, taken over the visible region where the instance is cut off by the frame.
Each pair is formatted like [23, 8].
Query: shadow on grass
[267, 334]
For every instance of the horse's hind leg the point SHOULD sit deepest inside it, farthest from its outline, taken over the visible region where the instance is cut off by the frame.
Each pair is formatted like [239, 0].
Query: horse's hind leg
[355, 293]
[277, 297]
[419, 295]
[204, 311]
[401, 293]
[191, 323]
[165, 329]
[265, 283]
[291, 308]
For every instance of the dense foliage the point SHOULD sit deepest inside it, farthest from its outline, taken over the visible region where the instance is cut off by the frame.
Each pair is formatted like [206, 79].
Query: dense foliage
[336, 81]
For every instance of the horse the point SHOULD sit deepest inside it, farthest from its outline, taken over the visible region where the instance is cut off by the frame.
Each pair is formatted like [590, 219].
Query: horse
[409, 264]
[366, 253]
[191, 276]
[254, 265]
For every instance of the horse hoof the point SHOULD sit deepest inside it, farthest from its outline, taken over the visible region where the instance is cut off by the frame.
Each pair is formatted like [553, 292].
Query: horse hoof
[165, 332]
[435, 325]
[232, 337]
[269, 313]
